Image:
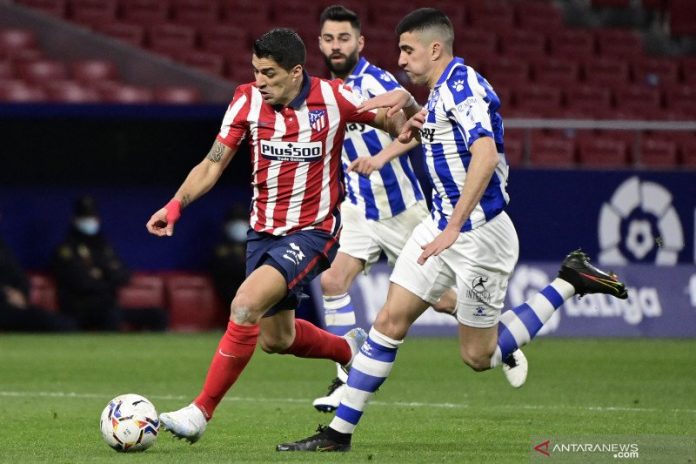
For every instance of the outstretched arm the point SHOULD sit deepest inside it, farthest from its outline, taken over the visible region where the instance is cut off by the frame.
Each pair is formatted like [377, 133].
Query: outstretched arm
[394, 100]
[484, 159]
[201, 179]
[366, 165]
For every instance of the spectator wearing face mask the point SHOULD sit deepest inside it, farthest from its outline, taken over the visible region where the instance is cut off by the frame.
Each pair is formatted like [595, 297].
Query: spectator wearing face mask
[228, 265]
[89, 273]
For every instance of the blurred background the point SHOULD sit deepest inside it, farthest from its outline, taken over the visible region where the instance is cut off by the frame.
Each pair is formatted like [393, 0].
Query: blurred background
[118, 99]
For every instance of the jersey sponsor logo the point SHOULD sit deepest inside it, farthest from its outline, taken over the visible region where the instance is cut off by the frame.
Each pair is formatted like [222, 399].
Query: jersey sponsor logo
[291, 151]
[427, 134]
[317, 119]
[356, 127]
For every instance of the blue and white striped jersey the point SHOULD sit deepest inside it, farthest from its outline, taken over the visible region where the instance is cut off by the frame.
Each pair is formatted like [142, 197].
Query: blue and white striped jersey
[394, 188]
[462, 107]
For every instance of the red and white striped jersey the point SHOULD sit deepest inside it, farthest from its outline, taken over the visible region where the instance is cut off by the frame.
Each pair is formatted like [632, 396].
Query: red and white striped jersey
[295, 150]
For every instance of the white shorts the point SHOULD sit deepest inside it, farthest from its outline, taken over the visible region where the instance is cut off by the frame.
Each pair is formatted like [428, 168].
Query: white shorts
[365, 239]
[478, 264]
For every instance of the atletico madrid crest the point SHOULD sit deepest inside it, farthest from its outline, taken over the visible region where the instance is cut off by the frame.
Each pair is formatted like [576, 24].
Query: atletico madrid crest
[317, 120]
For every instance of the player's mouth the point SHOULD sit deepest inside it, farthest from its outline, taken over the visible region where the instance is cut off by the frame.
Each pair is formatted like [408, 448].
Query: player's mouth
[338, 57]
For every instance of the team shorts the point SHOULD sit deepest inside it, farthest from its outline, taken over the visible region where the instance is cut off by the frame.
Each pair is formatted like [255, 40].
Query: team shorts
[478, 265]
[299, 257]
[365, 239]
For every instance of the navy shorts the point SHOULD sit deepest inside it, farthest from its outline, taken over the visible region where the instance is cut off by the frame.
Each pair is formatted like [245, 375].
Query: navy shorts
[299, 256]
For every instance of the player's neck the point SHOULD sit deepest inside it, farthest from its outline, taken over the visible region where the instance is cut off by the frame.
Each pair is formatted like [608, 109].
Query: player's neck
[439, 68]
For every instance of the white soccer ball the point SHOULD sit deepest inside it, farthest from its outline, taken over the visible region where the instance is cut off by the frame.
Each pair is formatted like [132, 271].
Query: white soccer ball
[129, 423]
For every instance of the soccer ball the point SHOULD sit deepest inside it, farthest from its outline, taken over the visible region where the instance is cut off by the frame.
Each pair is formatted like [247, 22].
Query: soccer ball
[129, 423]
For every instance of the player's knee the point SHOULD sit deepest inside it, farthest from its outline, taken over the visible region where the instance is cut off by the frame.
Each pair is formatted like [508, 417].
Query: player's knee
[332, 283]
[242, 310]
[391, 325]
[275, 344]
[476, 358]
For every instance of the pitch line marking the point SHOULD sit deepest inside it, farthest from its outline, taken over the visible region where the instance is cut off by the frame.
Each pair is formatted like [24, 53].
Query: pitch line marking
[407, 404]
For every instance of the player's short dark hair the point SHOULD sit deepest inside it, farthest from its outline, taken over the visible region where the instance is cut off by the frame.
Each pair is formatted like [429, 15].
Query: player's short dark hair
[339, 13]
[283, 45]
[426, 18]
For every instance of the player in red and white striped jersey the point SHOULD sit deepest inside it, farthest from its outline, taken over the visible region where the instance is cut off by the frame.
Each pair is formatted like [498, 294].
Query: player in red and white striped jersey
[295, 126]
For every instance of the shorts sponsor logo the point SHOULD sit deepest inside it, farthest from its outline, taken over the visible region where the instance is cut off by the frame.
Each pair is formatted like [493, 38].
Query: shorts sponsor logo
[478, 291]
[291, 151]
[294, 254]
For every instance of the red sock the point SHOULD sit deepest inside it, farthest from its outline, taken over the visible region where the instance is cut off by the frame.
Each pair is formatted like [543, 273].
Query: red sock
[313, 342]
[234, 352]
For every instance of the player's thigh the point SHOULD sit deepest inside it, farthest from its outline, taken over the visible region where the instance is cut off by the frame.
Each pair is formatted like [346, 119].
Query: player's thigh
[358, 238]
[340, 275]
[427, 281]
[392, 233]
[263, 288]
[399, 312]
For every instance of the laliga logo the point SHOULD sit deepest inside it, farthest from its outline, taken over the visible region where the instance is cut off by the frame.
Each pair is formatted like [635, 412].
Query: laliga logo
[640, 224]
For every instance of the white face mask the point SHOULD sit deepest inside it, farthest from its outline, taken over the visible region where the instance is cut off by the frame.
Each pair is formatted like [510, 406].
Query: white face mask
[236, 230]
[87, 225]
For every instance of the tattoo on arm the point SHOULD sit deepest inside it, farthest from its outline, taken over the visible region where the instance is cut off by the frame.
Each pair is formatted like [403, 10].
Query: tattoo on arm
[216, 151]
[185, 200]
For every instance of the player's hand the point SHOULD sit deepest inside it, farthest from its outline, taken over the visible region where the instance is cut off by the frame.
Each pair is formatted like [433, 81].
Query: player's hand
[413, 126]
[443, 241]
[162, 222]
[366, 165]
[395, 100]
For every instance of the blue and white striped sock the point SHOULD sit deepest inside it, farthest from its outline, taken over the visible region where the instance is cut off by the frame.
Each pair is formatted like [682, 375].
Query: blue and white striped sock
[369, 370]
[339, 315]
[520, 325]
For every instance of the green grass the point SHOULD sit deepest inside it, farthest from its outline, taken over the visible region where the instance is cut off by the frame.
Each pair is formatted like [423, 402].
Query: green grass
[432, 409]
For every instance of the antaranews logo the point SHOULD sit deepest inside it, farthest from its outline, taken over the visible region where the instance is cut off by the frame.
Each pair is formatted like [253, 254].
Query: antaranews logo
[639, 224]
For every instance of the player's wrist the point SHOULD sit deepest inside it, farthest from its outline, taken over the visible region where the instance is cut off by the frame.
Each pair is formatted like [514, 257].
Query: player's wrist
[173, 209]
[410, 103]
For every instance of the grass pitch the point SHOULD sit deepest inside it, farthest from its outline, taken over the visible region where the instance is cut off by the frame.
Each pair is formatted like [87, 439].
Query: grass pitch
[432, 408]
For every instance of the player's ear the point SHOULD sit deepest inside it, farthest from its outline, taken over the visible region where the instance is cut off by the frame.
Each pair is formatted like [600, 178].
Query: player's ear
[361, 43]
[296, 72]
[435, 50]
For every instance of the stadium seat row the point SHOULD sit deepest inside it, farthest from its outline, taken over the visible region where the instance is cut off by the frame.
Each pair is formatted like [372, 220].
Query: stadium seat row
[189, 298]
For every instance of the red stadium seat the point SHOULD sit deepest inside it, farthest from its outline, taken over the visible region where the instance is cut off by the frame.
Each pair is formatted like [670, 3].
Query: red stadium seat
[514, 151]
[558, 72]
[42, 291]
[606, 72]
[618, 43]
[611, 3]
[522, 44]
[387, 14]
[243, 13]
[507, 72]
[171, 38]
[18, 92]
[133, 34]
[681, 16]
[39, 72]
[146, 12]
[638, 102]
[548, 150]
[14, 40]
[177, 95]
[572, 44]
[70, 92]
[495, 15]
[212, 63]
[91, 71]
[196, 12]
[224, 39]
[193, 303]
[477, 46]
[656, 72]
[539, 16]
[126, 94]
[93, 11]
[538, 100]
[686, 144]
[6, 70]
[592, 101]
[688, 70]
[658, 152]
[51, 7]
[602, 152]
[682, 100]
[143, 291]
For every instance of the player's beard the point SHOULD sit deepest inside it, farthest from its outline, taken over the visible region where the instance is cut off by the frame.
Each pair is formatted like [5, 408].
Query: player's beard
[342, 69]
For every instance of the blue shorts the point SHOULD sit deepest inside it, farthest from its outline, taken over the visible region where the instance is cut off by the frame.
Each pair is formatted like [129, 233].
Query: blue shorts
[299, 256]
